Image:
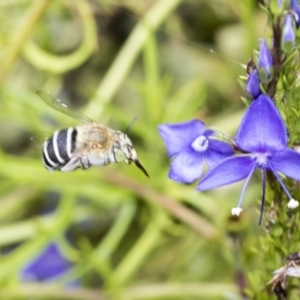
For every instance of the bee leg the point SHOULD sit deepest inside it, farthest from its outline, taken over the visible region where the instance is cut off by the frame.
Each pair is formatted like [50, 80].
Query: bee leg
[74, 163]
[84, 163]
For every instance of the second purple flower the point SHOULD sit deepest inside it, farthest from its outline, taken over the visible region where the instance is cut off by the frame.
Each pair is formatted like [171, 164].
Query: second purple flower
[190, 143]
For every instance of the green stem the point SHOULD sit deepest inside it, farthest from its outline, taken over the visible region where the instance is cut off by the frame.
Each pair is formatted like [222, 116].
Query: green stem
[138, 253]
[195, 221]
[142, 292]
[22, 34]
[50, 292]
[20, 231]
[63, 63]
[14, 201]
[128, 54]
[101, 255]
[55, 226]
[181, 291]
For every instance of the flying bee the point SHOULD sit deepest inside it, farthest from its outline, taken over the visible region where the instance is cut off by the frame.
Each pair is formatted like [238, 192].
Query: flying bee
[89, 144]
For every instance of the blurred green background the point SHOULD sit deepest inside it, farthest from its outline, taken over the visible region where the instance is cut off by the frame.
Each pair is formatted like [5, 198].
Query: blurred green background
[128, 237]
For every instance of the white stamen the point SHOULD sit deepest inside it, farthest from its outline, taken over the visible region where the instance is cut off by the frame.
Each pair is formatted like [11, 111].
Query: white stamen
[293, 204]
[236, 211]
[200, 144]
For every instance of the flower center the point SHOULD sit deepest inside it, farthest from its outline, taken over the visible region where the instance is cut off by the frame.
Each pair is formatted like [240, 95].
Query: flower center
[200, 144]
[261, 159]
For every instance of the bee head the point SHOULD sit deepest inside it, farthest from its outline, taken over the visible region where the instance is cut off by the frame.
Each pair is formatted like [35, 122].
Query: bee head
[124, 151]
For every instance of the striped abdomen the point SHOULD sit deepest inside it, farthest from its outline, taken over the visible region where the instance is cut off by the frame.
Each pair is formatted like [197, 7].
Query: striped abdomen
[58, 149]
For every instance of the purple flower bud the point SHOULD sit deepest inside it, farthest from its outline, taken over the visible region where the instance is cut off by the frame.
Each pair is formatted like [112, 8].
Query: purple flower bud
[265, 62]
[282, 5]
[252, 85]
[288, 34]
[295, 7]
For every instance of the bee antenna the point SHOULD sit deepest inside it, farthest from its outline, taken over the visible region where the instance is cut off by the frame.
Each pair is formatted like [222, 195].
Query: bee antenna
[130, 124]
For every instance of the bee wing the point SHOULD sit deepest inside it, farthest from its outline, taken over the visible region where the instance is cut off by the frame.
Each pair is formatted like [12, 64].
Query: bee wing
[63, 107]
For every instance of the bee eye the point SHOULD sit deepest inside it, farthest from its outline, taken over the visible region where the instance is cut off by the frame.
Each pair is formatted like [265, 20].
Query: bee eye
[119, 155]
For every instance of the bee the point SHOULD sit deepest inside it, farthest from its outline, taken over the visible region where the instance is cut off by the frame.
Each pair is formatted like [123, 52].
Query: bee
[86, 145]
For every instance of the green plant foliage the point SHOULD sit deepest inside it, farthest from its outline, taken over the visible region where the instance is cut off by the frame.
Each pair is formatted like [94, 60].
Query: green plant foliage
[129, 237]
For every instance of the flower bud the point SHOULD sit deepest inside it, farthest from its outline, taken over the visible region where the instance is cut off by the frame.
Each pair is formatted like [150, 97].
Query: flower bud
[283, 4]
[252, 85]
[288, 34]
[277, 7]
[265, 63]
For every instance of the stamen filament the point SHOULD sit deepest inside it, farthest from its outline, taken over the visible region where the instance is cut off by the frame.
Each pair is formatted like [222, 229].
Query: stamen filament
[280, 181]
[246, 184]
[263, 195]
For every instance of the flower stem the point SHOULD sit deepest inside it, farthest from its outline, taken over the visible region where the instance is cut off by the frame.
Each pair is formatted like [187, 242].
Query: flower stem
[262, 205]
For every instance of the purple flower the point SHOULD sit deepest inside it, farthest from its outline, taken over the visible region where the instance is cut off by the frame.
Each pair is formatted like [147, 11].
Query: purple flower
[262, 137]
[189, 143]
[47, 265]
[295, 7]
[288, 34]
[252, 85]
[283, 5]
[265, 62]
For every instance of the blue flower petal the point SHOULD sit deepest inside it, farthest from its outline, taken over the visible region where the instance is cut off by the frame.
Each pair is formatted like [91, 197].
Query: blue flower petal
[216, 152]
[262, 128]
[179, 136]
[209, 132]
[49, 264]
[186, 167]
[230, 170]
[287, 162]
[295, 7]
